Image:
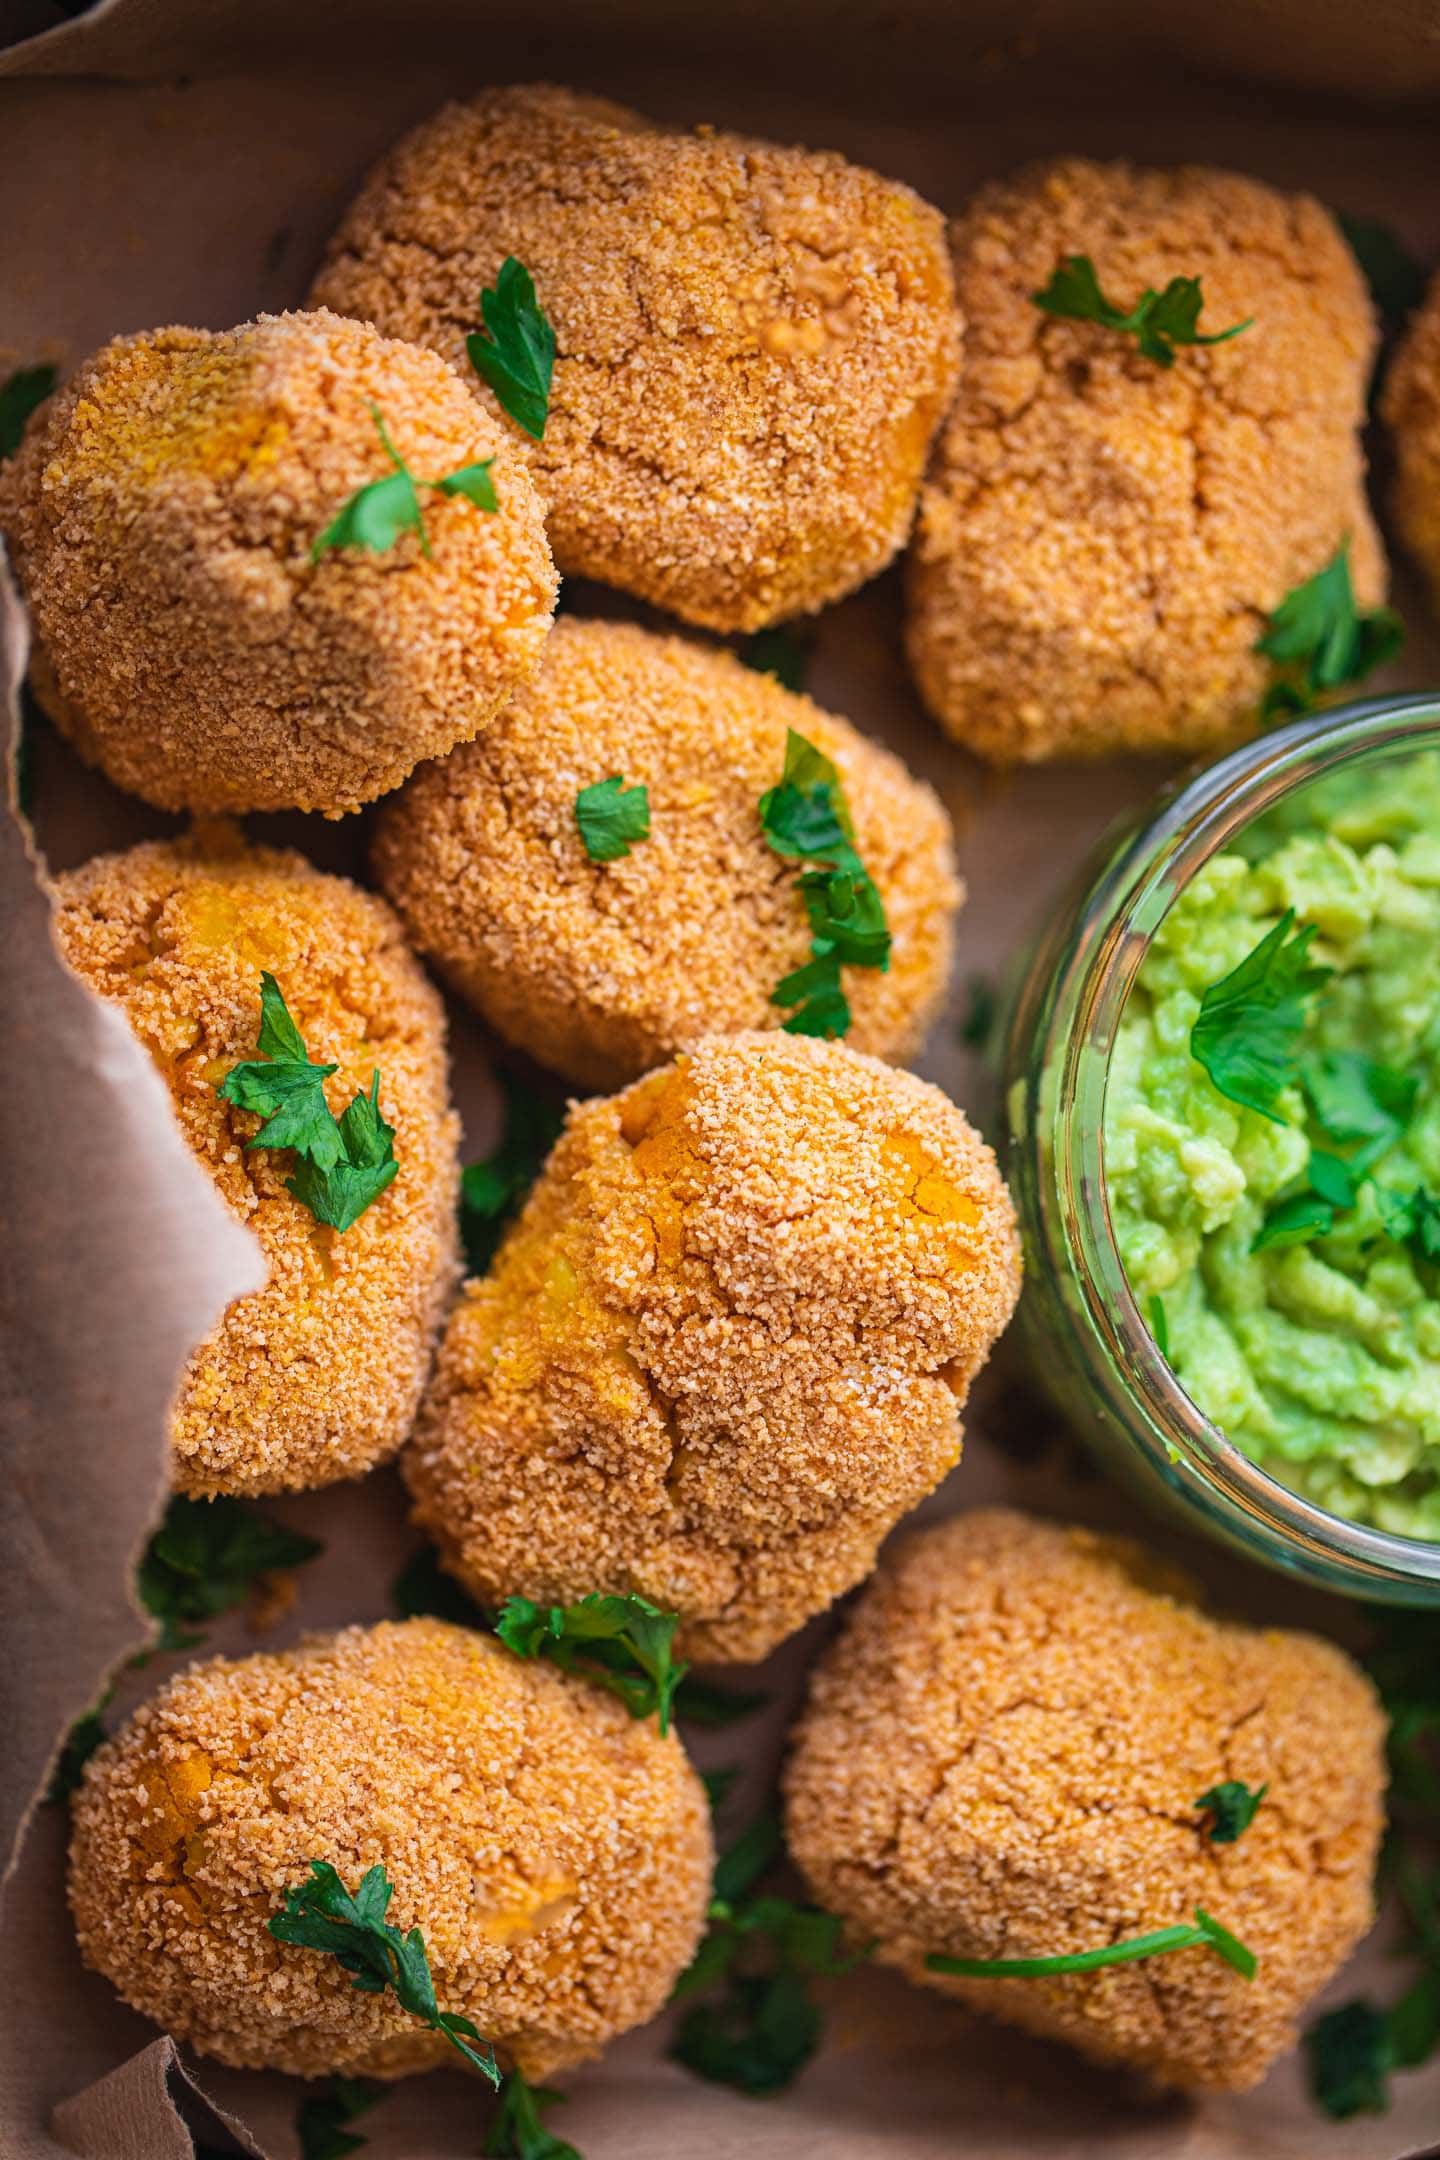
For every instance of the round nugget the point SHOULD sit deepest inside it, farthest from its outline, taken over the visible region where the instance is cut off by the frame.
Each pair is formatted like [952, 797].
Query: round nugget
[161, 515]
[1411, 408]
[725, 1347]
[1002, 1756]
[317, 1376]
[755, 344]
[553, 1851]
[602, 970]
[1102, 539]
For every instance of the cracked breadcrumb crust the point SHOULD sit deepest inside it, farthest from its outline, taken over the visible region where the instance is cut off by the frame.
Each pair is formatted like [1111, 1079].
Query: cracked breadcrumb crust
[554, 1852]
[602, 970]
[160, 515]
[316, 1376]
[755, 344]
[1000, 1758]
[725, 1346]
[1410, 407]
[1101, 540]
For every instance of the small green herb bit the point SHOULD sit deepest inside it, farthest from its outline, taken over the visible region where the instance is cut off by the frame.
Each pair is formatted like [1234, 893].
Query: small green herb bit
[516, 2131]
[85, 1735]
[1159, 321]
[806, 818]
[1205, 1932]
[422, 1590]
[779, 653]
[1395, 278]
[343, 1163]
[492, 1191]
[611, 816]
[622, 1643]
[207, 1557]
[20, 395]
[377, 514]
[1320, 640]
[320, 2120]
[515, 352]
[1348, 2056]
[322, 1915]
[1247, 1033]
[1231, 1806]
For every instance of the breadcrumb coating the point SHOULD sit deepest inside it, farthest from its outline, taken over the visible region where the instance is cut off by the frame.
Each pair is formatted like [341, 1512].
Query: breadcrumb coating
[1000, 1758]
[1101, 540]
[161, 512]
[755, 344]
[554, 1852]
[725, 1347]
[1411, 409]
[602, 970]
[317, 1376]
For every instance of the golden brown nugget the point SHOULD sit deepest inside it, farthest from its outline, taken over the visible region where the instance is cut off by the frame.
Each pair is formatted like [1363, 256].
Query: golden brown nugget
[554, 1852]
[602, 970]
[317, 1376]
[755, 344]
[725, 1347]
[1102, 540]
[1001, 1757]
[161, 514]
[1411, 409]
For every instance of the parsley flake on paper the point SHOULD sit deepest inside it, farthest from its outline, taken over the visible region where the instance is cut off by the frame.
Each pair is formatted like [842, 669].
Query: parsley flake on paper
[1159, 321]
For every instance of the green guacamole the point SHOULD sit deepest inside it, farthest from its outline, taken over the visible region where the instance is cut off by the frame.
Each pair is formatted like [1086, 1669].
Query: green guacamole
[1319, 1357]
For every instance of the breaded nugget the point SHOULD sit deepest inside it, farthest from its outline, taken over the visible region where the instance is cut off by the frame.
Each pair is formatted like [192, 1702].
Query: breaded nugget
[755, 344]
[554, 1852]
[316, 1376]
[1411, 409]
[602, 970]
[1101, 539]
[725, 1347]
[161, 514]
[1001, 1757]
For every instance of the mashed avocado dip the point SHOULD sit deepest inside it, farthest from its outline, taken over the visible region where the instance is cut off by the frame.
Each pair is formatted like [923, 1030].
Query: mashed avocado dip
[1289, 1262]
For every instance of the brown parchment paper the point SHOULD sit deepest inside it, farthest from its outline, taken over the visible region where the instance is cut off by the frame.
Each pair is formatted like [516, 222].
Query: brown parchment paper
[164, 161]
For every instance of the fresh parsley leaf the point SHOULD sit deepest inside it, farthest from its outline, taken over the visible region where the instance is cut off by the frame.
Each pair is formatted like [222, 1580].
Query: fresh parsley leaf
[377, 514]
[422, 1590]
[1206, 1931]
[492, 1191]
[1247, 1032]
[981, 1011]
[473, 482]
[341, 1194]
[1332, 1179]
[1159, 321]
[806, 814]
[1352, 1098]
[1159, 1325]
[1231, 1807]
[847, 916]
[322, 1915]
[80, 1743]
[815, 988]
[20, 395]
[806, 817]
[1396, 280]
[515, 351]
[610, 816]
[746, 1859]
[622, 1643]
[1348, 2056]
[706, 1703]
[320, 2120]
[516, 2131]
[1295, 1221]
[1323, 640]
[206, 1557]
[778, 653]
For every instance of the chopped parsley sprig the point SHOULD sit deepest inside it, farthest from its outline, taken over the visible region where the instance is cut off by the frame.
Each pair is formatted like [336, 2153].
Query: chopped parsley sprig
[321, 1914]
[342, 1164]
[20, 395]
[1247, 1033]
[1159, 321]
[1205, 1932]
[516, 2131]
[206, 1557]
[1231, 1806]
[515, 351]
[622, 1643]
[611, 816]
[1319, 640]
[375, 515]
[493, 1191]
[806, 818]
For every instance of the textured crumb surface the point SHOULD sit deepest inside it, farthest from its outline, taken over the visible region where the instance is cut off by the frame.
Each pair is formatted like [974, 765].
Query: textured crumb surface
[160, 515]
[1101, 540]
[755, 344]
[316, 1376]
[1000, 1758]
[1411, 408]
[601, 970]
[725, 1346]
[554, 1852]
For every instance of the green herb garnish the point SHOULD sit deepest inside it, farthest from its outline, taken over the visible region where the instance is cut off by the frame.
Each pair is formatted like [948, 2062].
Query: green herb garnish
[621, 1643]
[80, 1743]
[982, 1008]
[322, 1915]
[1319, 640]
[806, 817]
[206, 1557]
[778, 653]
[375, 515]
[1159, 321]
[492, 1191]
[611, 816]
[20, 395]
[343, 1163]
[718, 1783]
[1205, 1931]
[1247, 1033]
[515, 352]
[423, 1591]
[1396, 280]
[516, 2131]
[1352, 1098]
[320, 2120]
[1231, 1807]
[706, 1703]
